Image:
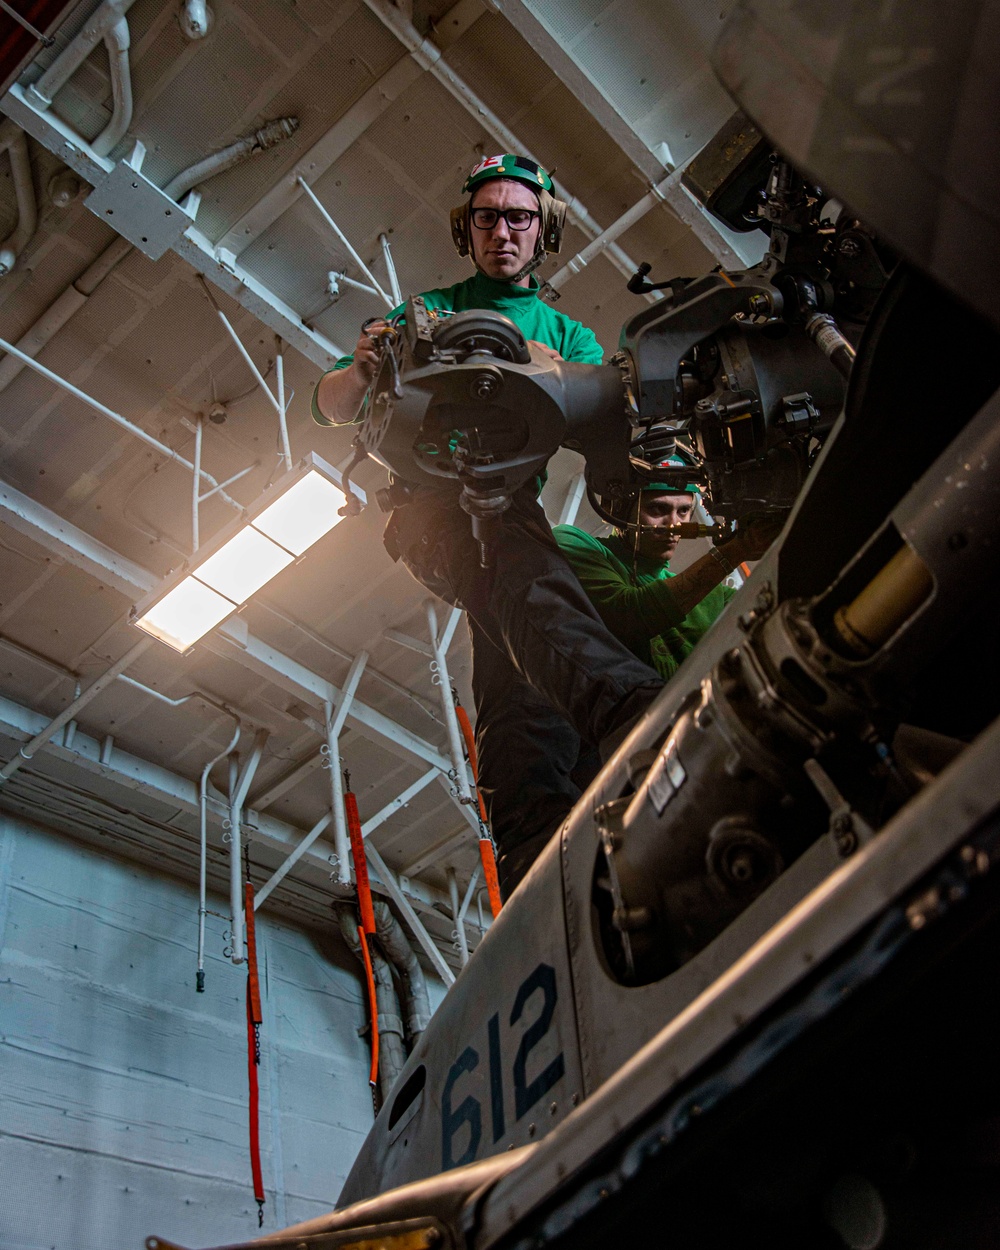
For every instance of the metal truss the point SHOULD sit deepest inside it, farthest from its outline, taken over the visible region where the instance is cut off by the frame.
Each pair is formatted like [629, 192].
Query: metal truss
[217, 264]
[234, 642]
[104, 759]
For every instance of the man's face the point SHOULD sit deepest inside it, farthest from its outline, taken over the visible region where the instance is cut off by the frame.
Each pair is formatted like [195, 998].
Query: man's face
[502, 252]
[656, 514]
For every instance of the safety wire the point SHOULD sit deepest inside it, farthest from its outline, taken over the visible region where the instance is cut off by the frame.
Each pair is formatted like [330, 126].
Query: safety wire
[366, 921]
[487, 851]
[254, 1020]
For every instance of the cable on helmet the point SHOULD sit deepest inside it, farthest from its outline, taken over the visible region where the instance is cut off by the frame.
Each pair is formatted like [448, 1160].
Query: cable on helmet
[519, 169]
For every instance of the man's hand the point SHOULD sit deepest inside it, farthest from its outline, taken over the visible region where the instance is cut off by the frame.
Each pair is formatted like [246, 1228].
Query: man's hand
[366, 352]
[544, 347]
[340, 393]
[753, 537]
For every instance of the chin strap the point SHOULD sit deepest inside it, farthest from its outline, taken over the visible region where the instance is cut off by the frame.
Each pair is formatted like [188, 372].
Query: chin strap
[523, 272]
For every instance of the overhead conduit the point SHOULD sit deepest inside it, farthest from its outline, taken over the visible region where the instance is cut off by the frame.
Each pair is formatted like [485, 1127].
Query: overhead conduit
[78, 292]
[14, 141]
[391, 1046]
[108, 24]
[396, 1022]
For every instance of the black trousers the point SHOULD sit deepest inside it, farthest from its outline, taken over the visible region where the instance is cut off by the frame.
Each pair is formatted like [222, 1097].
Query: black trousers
[551, 684]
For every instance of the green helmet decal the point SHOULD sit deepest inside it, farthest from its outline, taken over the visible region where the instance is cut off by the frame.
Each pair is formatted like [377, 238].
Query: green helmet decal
[520, 168]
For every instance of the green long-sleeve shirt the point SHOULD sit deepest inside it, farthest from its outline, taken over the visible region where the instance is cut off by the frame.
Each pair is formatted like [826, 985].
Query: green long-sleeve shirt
[535, 319]
[639, 610]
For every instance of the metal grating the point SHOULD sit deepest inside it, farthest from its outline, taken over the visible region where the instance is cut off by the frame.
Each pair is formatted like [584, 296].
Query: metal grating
[567, 18]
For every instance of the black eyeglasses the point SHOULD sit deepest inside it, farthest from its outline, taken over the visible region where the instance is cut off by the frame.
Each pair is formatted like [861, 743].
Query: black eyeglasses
[516, 218]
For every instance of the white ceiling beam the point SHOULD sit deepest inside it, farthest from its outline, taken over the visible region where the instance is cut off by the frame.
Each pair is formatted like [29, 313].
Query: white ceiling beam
[561, 61]
[217, 264]
[541, 40]
[231, 641]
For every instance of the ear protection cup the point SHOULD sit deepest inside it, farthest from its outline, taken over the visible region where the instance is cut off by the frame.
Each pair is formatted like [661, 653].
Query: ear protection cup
[553, 222]
[460, 228]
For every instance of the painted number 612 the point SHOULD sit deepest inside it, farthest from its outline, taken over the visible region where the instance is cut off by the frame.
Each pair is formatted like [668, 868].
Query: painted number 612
[469, 1111]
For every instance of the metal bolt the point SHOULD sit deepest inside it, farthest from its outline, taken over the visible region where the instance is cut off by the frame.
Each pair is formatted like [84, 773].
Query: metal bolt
[849, 247]
[553, 1108]
[483, 386]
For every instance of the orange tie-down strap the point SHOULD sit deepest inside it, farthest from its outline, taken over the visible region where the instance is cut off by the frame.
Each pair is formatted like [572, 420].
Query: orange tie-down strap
[360, 863]
[373, 1012]
[486, 851]
[254, 1019]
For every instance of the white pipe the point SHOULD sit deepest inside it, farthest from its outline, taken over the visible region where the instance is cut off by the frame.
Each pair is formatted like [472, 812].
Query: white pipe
[15, 142]
[242, 350]
[334, 724]
[286, 448]
[448, 633]
[235, 867]
[467, 899]
[625, 222]
[390, 266]
[96, 404]
[117, 42]
[68, 713]
[448, 707]
[259, 140]
[346, 242]
[229, 481]
[401, 800]
[42, 92]
[203, 849]
[341, 841]
[388, 879]
[199, 432]
[334, 279]
[429, 56]
[456, 910]
[195, 19]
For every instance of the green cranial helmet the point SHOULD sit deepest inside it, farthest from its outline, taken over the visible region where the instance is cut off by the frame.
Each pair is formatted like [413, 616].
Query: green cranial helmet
[674, 461]
[519, 169]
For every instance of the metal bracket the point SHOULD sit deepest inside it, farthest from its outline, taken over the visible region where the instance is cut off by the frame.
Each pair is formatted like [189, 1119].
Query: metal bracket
[138, 209]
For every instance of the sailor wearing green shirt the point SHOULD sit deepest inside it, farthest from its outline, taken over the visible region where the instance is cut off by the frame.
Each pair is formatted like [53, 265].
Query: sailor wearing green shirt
[538, 643]
[659, 615]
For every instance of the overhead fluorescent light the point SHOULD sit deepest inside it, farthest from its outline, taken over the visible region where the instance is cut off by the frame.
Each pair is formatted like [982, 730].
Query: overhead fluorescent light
[286, 521]
[303, 514]
[186, 614]
[247, 562]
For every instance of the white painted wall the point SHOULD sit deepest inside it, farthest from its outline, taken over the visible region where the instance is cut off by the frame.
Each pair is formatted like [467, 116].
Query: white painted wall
[123, 1093]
